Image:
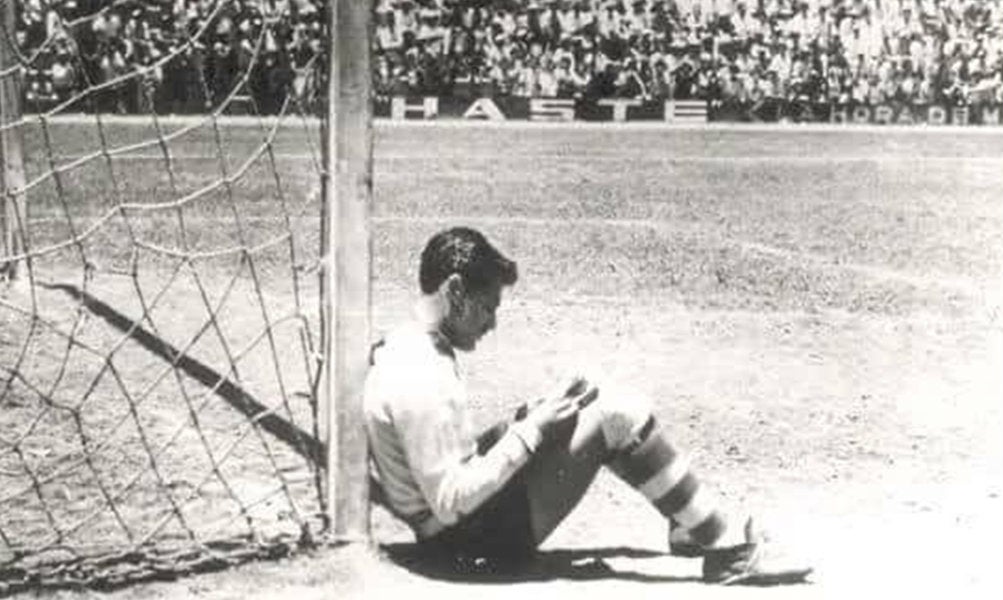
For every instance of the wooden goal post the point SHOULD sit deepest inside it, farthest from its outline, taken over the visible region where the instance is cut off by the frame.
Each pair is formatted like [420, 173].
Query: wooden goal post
[346, 252]
[11, 159]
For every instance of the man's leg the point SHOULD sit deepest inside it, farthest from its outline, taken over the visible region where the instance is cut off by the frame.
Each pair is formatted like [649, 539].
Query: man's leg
[618, 430]
[562, 470]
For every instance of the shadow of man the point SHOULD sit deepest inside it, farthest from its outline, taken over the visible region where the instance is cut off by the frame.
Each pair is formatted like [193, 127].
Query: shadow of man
[578, 564]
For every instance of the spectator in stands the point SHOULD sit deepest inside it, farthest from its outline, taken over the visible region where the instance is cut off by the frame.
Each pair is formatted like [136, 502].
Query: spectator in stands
[661, 82]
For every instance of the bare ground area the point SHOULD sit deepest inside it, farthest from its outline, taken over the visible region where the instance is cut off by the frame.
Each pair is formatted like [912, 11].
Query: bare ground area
[865, 462]
[815, 316]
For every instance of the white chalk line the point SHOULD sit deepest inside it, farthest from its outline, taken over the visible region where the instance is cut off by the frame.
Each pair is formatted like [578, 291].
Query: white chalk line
[594, 153]
[727, 126]
[963, 285]
[953, 282]
[598, 158]
[257, 121]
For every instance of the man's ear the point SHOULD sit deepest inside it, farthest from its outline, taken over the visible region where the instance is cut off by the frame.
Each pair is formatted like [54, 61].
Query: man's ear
[455, 290]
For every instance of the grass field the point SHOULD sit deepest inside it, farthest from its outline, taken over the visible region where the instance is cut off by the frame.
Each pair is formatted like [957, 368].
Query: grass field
[814, 311]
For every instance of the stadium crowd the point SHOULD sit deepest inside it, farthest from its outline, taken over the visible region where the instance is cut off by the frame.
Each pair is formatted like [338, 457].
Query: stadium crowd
[871, 51]
[818, 50]
[195, 52]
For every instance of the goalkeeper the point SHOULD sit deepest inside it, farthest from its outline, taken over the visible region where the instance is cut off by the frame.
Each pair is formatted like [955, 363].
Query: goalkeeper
[499, 495]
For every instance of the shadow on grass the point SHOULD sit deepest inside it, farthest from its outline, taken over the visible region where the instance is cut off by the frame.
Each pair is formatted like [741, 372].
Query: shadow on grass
[300, 441]
[578, 565]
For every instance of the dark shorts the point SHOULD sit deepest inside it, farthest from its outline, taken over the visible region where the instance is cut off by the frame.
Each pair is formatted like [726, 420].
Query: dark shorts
[499, 529]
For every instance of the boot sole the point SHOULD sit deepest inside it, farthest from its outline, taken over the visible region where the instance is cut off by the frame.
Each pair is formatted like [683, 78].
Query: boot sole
[767, 579]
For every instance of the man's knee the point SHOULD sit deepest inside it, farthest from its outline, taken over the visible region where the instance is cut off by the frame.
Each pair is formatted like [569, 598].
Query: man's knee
[624, 413]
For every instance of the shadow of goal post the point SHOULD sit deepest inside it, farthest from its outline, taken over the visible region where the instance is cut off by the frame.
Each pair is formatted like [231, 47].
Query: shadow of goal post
[346, 275]
[11, 159]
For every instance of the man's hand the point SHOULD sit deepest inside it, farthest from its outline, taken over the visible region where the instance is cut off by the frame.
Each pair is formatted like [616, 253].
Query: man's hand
[549, 412]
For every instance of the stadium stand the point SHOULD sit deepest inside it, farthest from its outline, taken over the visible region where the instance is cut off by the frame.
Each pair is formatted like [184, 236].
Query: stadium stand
[868, 51]
[79, 43]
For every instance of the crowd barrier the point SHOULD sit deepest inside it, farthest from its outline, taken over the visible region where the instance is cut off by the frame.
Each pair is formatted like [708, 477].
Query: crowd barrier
[771, 110]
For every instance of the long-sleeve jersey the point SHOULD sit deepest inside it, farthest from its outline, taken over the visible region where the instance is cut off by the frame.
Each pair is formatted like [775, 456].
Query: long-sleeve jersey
[420, 434]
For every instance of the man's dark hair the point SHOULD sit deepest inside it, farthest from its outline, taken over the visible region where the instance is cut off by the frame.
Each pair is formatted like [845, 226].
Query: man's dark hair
[467, 252]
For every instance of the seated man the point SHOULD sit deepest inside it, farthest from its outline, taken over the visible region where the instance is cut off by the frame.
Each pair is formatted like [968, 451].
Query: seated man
[499, 496]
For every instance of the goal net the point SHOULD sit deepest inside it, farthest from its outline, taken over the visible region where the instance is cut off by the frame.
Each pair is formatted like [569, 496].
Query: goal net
[159, 322]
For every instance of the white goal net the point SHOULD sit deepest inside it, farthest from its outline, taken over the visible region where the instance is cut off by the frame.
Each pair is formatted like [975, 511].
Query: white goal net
[159, 322]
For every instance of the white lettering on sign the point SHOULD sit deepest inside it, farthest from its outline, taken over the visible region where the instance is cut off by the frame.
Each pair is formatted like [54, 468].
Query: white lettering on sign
[400, 108]
[960, 115]
[551, 109]
[620, 106]
[883, 114]
[991, 115]
[936, 115]
[484, 108]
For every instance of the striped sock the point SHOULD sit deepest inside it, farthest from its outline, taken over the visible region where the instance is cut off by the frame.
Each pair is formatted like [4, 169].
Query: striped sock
[653, 467]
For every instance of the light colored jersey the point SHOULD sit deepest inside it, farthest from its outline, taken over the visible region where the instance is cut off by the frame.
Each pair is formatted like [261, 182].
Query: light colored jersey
[420, 435]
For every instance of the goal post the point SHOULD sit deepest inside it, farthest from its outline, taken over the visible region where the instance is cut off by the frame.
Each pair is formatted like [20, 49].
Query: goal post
[346, 276]
[11, 158]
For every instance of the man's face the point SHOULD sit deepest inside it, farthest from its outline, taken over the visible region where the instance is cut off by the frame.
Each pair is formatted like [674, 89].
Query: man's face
[472, 316]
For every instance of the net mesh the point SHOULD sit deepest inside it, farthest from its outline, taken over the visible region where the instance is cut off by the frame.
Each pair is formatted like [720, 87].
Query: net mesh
[158, 366]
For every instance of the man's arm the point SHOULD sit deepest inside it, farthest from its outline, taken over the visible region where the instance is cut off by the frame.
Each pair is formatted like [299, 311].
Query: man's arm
[452, 476]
